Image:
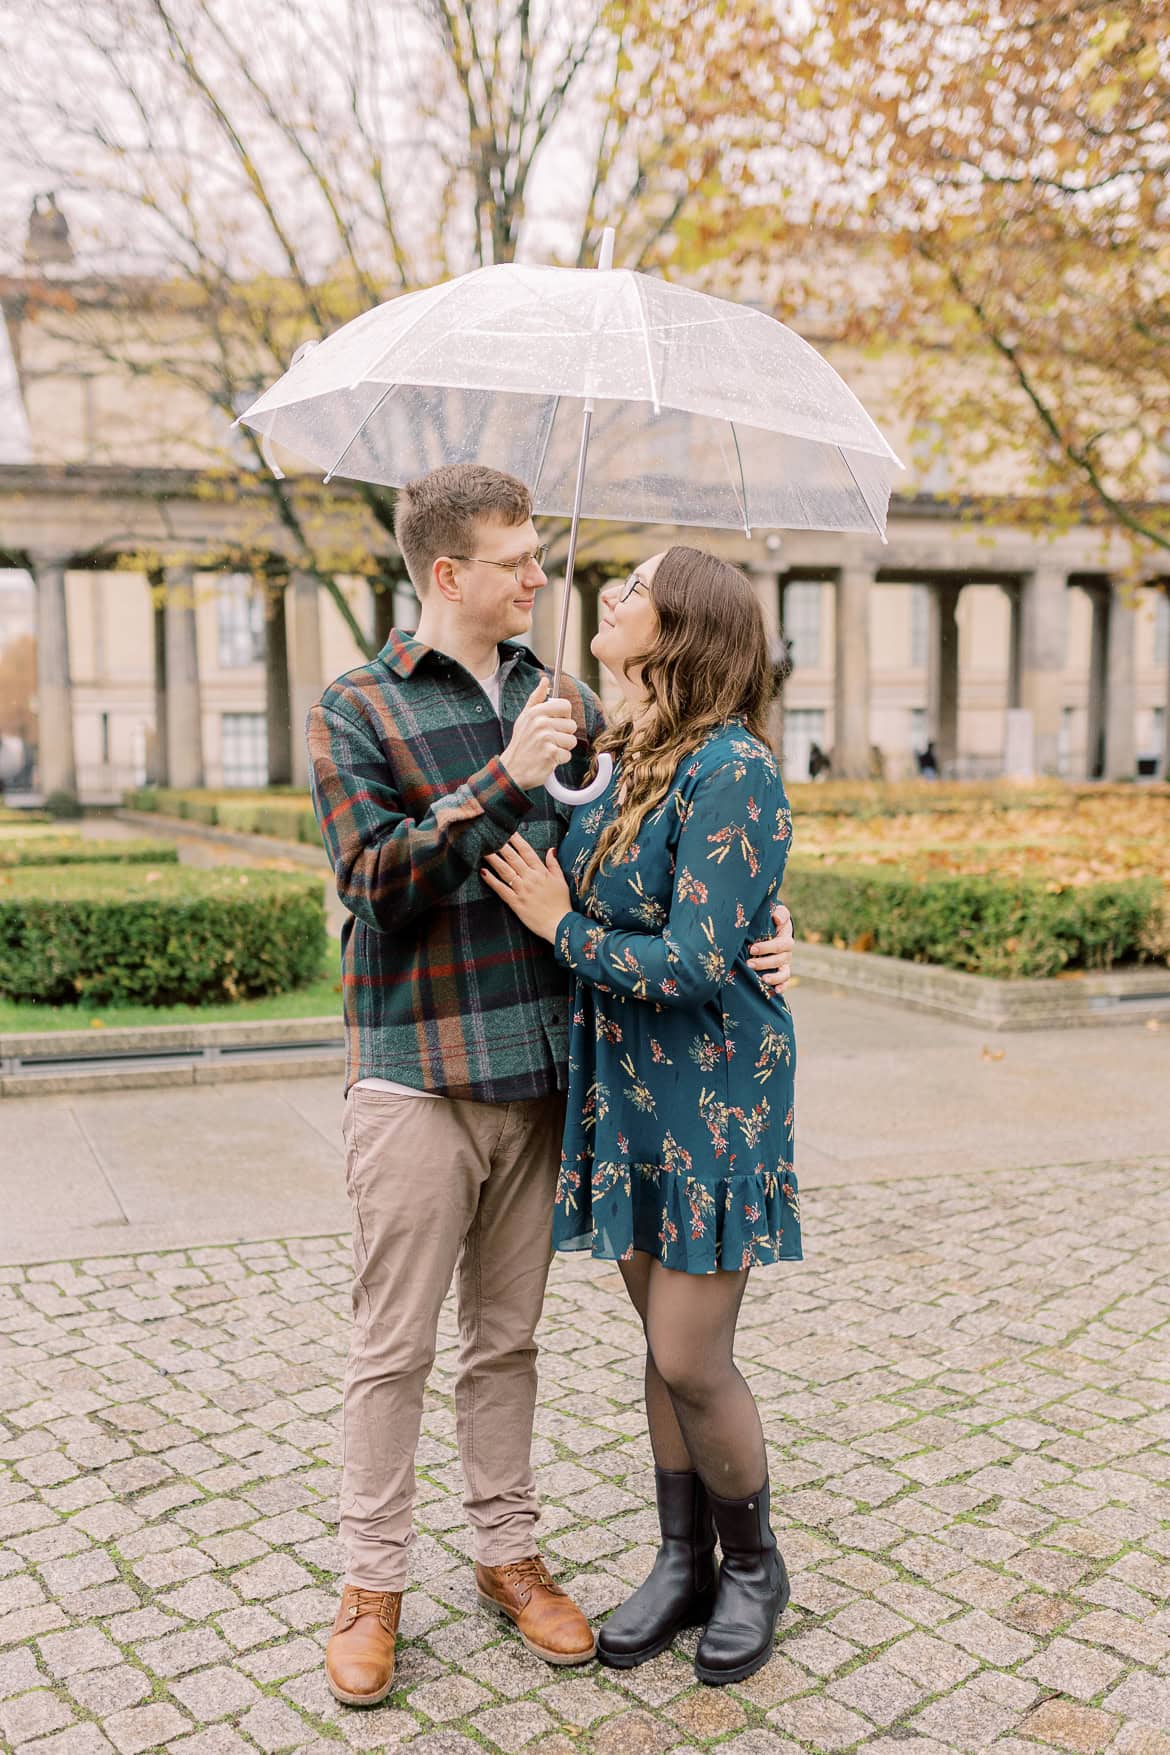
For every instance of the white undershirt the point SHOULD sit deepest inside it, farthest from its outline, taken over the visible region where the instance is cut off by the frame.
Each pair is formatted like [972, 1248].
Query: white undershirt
[491, 688]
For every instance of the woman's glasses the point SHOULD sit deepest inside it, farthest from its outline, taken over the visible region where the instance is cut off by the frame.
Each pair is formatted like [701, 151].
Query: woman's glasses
[632, 584]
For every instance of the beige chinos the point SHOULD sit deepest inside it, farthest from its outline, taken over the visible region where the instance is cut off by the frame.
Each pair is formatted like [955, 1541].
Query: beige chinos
[441, 1187]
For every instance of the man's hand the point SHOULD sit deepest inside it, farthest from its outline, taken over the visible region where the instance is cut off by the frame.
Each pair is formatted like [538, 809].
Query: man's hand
[772, 957]
[543, 737]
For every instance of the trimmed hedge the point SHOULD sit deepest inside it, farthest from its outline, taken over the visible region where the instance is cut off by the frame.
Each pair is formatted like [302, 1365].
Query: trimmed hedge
[1002, 927]
[110, 934]
[284, 814]
[72, 850]
[9, 816]
[883, 798]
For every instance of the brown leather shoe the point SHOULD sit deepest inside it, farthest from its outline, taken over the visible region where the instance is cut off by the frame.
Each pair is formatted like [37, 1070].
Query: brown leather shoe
[359, 1659]
[546, 1617]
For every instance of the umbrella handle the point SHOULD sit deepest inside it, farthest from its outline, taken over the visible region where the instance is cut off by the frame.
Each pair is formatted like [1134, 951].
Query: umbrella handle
[586, 794]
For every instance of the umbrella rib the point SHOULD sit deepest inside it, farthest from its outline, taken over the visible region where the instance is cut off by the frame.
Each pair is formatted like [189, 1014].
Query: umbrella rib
[544, 448]
[861, 491]
[743, 505]
[654, 397]
[356, 434]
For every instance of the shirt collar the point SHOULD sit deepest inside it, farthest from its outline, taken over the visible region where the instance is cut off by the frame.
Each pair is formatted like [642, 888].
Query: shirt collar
[403, 654]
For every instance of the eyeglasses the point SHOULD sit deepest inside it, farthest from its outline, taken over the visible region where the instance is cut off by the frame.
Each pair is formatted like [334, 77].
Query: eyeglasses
[514, 567]
[632, 584]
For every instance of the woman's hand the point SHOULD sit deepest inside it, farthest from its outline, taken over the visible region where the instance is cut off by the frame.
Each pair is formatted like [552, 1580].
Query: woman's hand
[534, 889]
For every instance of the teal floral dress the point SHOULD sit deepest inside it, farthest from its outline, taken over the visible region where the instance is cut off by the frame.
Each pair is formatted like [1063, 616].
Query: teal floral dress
[681, 1062]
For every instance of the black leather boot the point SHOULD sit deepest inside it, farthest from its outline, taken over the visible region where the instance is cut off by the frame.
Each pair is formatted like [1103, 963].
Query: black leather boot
[752, 1595]
[681, 1587]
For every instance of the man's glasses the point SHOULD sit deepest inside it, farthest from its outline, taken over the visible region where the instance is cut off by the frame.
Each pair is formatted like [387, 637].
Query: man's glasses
[516, 567]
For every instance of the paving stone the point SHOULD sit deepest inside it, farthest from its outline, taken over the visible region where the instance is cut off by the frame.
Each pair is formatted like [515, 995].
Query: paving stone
[274, 1726]
[144, 1727]
[1068, 1726]
[988, 1639]
[825, 1724]
[244, 1628]
[967, 1719]
[513, 1726]
[18, 1671]
[216, 1693]
[84, 1739]
[1071, 1668]
[32, 1715]
[1142, 1697]
[83, 1648]
[706, 1713]
[104, 1691]
[633, 1733]
[176, 1653]
[879, 1691]
[452, 1697]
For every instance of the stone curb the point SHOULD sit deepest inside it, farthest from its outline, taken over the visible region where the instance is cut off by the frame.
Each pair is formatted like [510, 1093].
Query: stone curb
[263, 846]
[1064, 1002]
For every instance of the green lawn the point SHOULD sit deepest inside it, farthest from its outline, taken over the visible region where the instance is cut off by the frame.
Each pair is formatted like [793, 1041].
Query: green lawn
[321, 999]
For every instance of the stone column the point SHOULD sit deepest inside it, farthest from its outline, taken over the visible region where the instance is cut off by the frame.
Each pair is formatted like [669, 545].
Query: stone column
[159, 770]
[184, 732]
[1098, 684]
[942, 709]
[769, 590]
[276, 685]
[1120, 696]
[306, 680]
[1043, 649]
[851, 674]
[56, 756]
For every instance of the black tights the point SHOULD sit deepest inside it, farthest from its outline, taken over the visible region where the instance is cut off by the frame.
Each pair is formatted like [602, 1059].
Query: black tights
[701, 1413]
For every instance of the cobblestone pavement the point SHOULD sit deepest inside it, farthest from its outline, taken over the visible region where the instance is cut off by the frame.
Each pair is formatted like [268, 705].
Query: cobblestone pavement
[967, 1394]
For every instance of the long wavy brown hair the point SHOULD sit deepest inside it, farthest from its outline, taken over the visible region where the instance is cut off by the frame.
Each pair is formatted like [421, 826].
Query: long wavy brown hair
[709, 664]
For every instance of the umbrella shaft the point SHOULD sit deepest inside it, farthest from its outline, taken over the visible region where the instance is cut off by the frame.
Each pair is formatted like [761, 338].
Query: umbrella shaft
[567, 594]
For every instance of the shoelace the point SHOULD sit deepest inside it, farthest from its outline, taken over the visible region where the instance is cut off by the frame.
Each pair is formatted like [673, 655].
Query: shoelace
[530, 1572]
[367, 1602]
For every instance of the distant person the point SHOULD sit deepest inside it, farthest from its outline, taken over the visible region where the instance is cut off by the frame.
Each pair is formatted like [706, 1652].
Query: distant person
[877, 762]
[819, 762]
[928, 762]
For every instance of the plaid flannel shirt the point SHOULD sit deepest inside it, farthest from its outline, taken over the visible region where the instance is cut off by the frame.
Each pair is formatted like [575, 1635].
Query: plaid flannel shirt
[443, 988]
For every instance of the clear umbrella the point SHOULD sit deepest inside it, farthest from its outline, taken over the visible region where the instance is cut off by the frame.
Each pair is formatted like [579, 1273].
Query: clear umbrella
[610, 394]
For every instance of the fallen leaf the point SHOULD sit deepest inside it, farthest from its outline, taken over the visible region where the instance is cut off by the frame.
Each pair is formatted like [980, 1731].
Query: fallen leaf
[987, 1053]
[99, 1024]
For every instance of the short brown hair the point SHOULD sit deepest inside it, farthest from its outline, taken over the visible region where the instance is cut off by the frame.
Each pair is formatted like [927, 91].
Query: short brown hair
[437, 514]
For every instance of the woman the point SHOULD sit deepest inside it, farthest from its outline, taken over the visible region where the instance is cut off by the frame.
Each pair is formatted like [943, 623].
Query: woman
[678, 1145]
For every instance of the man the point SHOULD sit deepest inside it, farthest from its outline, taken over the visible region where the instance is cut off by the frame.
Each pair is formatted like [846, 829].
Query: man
[425, 761]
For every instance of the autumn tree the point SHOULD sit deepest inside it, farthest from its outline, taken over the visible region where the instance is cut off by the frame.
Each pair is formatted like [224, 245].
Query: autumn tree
[990, 198]
[237, 203]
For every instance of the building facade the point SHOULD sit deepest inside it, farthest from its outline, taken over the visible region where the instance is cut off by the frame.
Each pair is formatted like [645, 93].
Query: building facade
[179, 639]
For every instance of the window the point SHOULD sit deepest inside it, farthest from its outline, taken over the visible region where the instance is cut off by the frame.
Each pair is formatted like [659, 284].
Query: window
[919, 625]
[105, 736]
[802, 624]
[245, 749]
[803, 726]
[240, 611]
[1162, 629]
[919, 733]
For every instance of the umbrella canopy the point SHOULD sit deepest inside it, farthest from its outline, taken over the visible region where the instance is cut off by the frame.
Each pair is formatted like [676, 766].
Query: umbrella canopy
[704, 412]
